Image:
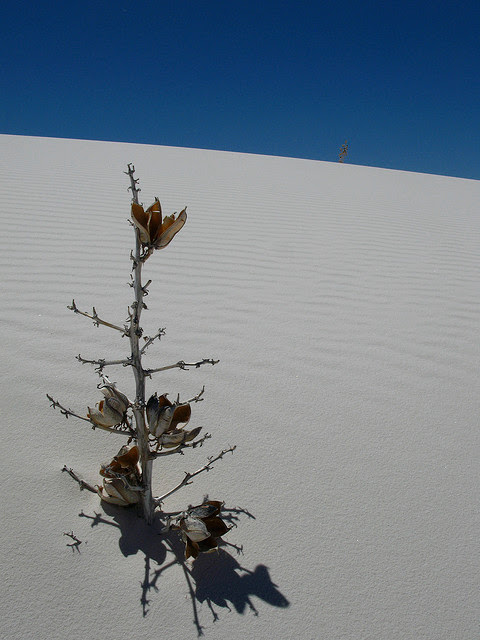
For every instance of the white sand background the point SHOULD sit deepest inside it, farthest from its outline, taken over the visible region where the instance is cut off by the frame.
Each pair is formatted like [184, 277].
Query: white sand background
[343, 304]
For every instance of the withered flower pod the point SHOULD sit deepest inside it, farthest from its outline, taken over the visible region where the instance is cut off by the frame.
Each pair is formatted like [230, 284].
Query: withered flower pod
[111, 411]
[115, 491]
[119, 475]
[124, 463]
[163, 418]
[155, 231]
[201, 528]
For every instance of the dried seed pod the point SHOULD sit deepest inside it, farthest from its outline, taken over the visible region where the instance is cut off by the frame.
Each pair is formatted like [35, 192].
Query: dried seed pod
[111, 411]
[124, 463]
[154, 231]
[163, 416]
[152, 410]
[206, 510]
[114, 491]
[191, 435]
[194, 528]
[128, 457]
[198, 520]
[172, 438]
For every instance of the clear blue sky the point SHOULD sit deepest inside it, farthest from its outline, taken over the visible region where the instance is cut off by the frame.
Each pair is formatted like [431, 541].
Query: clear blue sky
[399, 80]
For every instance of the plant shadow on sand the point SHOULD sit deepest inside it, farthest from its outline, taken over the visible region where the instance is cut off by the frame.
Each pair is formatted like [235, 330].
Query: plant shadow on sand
[216, 578]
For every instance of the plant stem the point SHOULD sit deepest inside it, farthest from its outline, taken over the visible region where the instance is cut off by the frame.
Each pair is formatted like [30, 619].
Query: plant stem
[135, 333]
[188, 476]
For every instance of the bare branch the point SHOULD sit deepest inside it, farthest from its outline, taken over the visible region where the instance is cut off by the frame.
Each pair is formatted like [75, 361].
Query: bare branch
[96, 320]
[188, 476]
[64, 411]
[182, 365]
[101, 363]
[67, 412]
[148, 341]
[198, 397]
[82, 483]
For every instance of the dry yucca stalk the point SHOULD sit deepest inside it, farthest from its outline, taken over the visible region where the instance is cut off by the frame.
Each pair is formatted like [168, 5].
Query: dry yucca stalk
[155, 427]
[343, 152]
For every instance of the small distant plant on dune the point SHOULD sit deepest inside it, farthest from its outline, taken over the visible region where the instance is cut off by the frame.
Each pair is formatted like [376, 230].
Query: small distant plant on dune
[155, 427]
[343, 152]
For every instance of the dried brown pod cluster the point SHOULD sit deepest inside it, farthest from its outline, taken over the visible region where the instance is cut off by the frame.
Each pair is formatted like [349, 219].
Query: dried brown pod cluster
[156, 231]
[201, 528]
[111, 411]
[121, 478]
[163, 418]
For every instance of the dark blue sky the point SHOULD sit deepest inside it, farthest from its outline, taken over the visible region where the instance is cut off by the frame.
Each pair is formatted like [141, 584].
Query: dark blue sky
[398, 80]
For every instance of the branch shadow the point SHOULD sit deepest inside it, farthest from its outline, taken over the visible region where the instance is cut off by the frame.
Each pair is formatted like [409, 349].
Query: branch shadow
[216, 579]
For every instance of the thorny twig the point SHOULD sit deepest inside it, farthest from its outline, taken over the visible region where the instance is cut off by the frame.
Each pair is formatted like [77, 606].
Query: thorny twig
[188, 476]
[182, 365]
[198, 397]
[133, 181]
[96, 320]
[101, 363]
[148, 341]
[64, 411]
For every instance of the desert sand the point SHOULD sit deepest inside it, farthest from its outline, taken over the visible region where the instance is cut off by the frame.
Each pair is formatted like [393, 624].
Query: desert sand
[342, 303]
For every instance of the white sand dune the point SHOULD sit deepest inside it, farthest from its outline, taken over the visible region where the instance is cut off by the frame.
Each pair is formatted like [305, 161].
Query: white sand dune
[342, 302]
